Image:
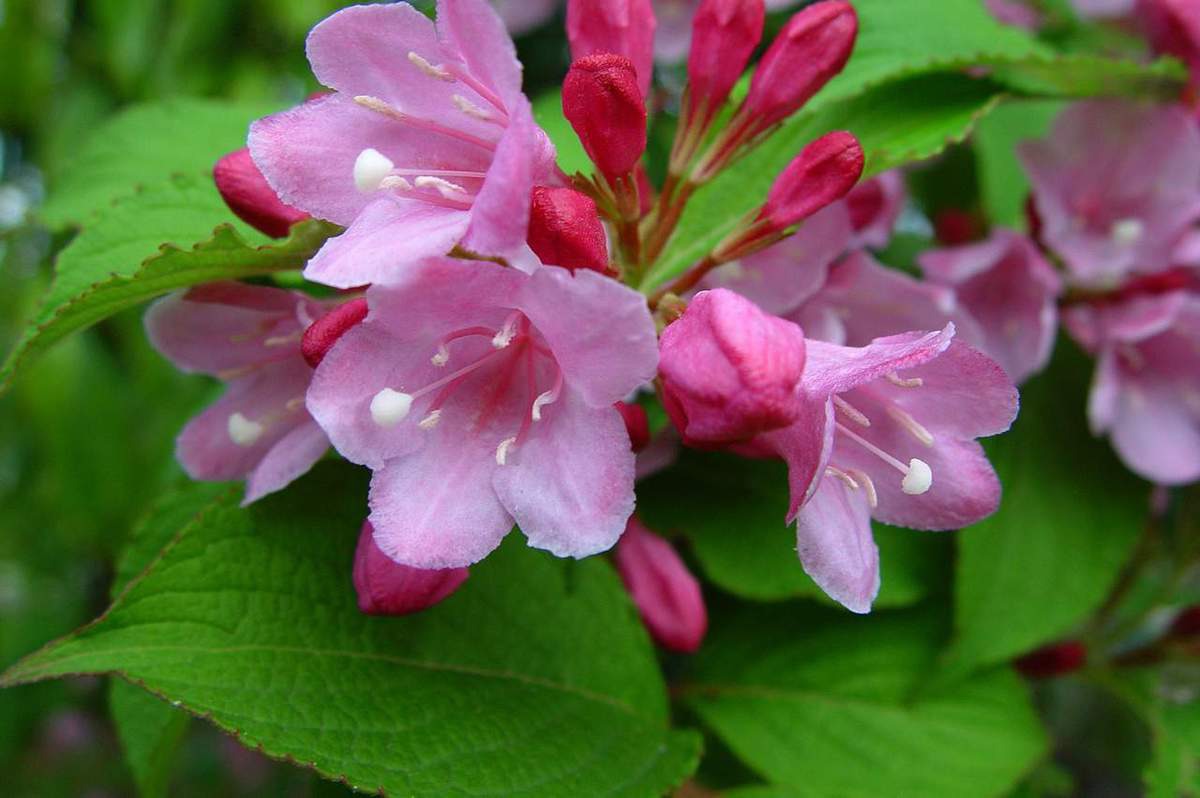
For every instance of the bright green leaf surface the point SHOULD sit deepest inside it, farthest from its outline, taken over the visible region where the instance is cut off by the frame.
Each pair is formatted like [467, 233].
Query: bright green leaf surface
[151, 732]
[733, 513]
[1069, 519]
[1002, 182]
[120, 259]
[536, 678]
[834, 706]
[547, 110]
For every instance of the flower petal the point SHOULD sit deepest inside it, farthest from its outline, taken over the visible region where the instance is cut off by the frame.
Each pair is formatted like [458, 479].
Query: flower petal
[500, 212]
[473, 29]
[834, 369]
[291, 457]
[836, 547]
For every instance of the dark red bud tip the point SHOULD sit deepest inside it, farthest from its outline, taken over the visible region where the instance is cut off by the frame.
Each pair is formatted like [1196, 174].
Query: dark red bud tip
[602, 102]
[248, 195]
[954, 227]
[637, 424]
[1033, 220]
[1173, 27]
[812, 47]
[323, 333]
[822, 173]
[1186, 624]
[565, 230]
[385, 587]
[1053, 660]
[724, 35]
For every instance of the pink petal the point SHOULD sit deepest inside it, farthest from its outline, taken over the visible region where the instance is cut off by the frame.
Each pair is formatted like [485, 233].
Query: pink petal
[291, 457]
[833, 538]
[522, 16]
[500, 212]
[1157, 434]
[806, 447]
[874, 206]
[570, 484]
[473, 29]
[835, 369]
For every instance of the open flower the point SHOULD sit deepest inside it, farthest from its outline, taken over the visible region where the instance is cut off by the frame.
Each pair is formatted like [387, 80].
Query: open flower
[249, 336]
[481, 396]
[426, 143]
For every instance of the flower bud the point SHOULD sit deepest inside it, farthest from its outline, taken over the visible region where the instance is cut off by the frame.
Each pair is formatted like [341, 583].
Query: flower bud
[602, 102]
[724, 35]
[666, 594]
[248, 195]
[624, 27]
[637, 424]
[812, 47]
[822, 173]
[386, 587]
[323, 333]
[729, 370]
[1173, 27]
[1057, 659]
[565, 230]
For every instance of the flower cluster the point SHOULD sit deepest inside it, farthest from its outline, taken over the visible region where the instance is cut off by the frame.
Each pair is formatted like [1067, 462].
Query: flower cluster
[492, 318]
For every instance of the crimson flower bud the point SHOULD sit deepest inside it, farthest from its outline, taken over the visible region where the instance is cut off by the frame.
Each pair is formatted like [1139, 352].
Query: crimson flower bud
[664, 591]
[624, 27]
[729, 370]
[637, 424]
[822, 173]
[954, 227]
[386, 587]
[1186, 624]
[1057, 659]
[248, 195]
[812, 47]
[323, 333]
[724, 35]
[565, 230]
[1173, 27]
[602, 103]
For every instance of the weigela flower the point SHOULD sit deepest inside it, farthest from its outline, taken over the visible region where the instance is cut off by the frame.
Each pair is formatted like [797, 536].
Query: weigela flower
[623, 27]
[565, 230]
[248, 195]
[386, 587]
[665, 592]
[426, 143]
[481, 396]
[1015, 13]
[1115, 187]
[522, 16]
[1010, 291]
[888, 432]
[601, 101]
[1146, 392]
[874, 207]
[248, 336]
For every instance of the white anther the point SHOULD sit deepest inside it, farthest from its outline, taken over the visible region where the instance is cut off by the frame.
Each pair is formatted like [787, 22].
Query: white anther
[282, 340]
[868, 486]
[444, 187]
[430, 421]
[832, 471]
[502, 450]
[901, 382]
[851, 412]
[1127, 232]
[379, 106]
[469, 108]
[370, 168]
[919, 478]
[441, 357]
[389, 408]
[243, 431]
[506, 335]
[543, 399]
[439, 72]
[911, 425]
[396, 182]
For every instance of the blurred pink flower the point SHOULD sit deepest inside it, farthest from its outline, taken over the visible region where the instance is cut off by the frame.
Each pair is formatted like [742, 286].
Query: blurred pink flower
[665, 592]
[874, 206]
[1015, 12]
[620, 27]
[481, 396]
[522, 16]
[1104, 9]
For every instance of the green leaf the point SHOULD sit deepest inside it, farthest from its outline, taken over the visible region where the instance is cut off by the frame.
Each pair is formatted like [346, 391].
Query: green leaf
[120, 259]
[902, 122]
[733, 519]
[1002, 181]
[151, 732]
[830, 705]
[143, 146]
[1078, 75]
[547, 111]
[1069, 519]
[535, 678]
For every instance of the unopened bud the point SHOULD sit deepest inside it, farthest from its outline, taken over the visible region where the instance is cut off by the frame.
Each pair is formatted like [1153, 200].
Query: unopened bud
[812, 47]
[565, 230]
[624, 27]
[323, 333]
[729, 370]
[724, 35]
[954, 227]
[1173, 27]
[251, 198]
[1053, 660]
[665, 592]
[385, 587]
[822, 173]
[602, 102]
[637, 424]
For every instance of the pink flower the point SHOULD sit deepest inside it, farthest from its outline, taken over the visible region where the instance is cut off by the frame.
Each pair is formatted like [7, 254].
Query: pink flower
[1146, 392]
[426, 143]
[481, 396]
[874, 206]
[389, 588]
[1116, 187]
[1010, 291]
[248, 336]
[888, 432]
[247, 194]
[665, 592]
[522, 16]
[623, 27]
[1015, 13]
[730, 371]
[1104, 9]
